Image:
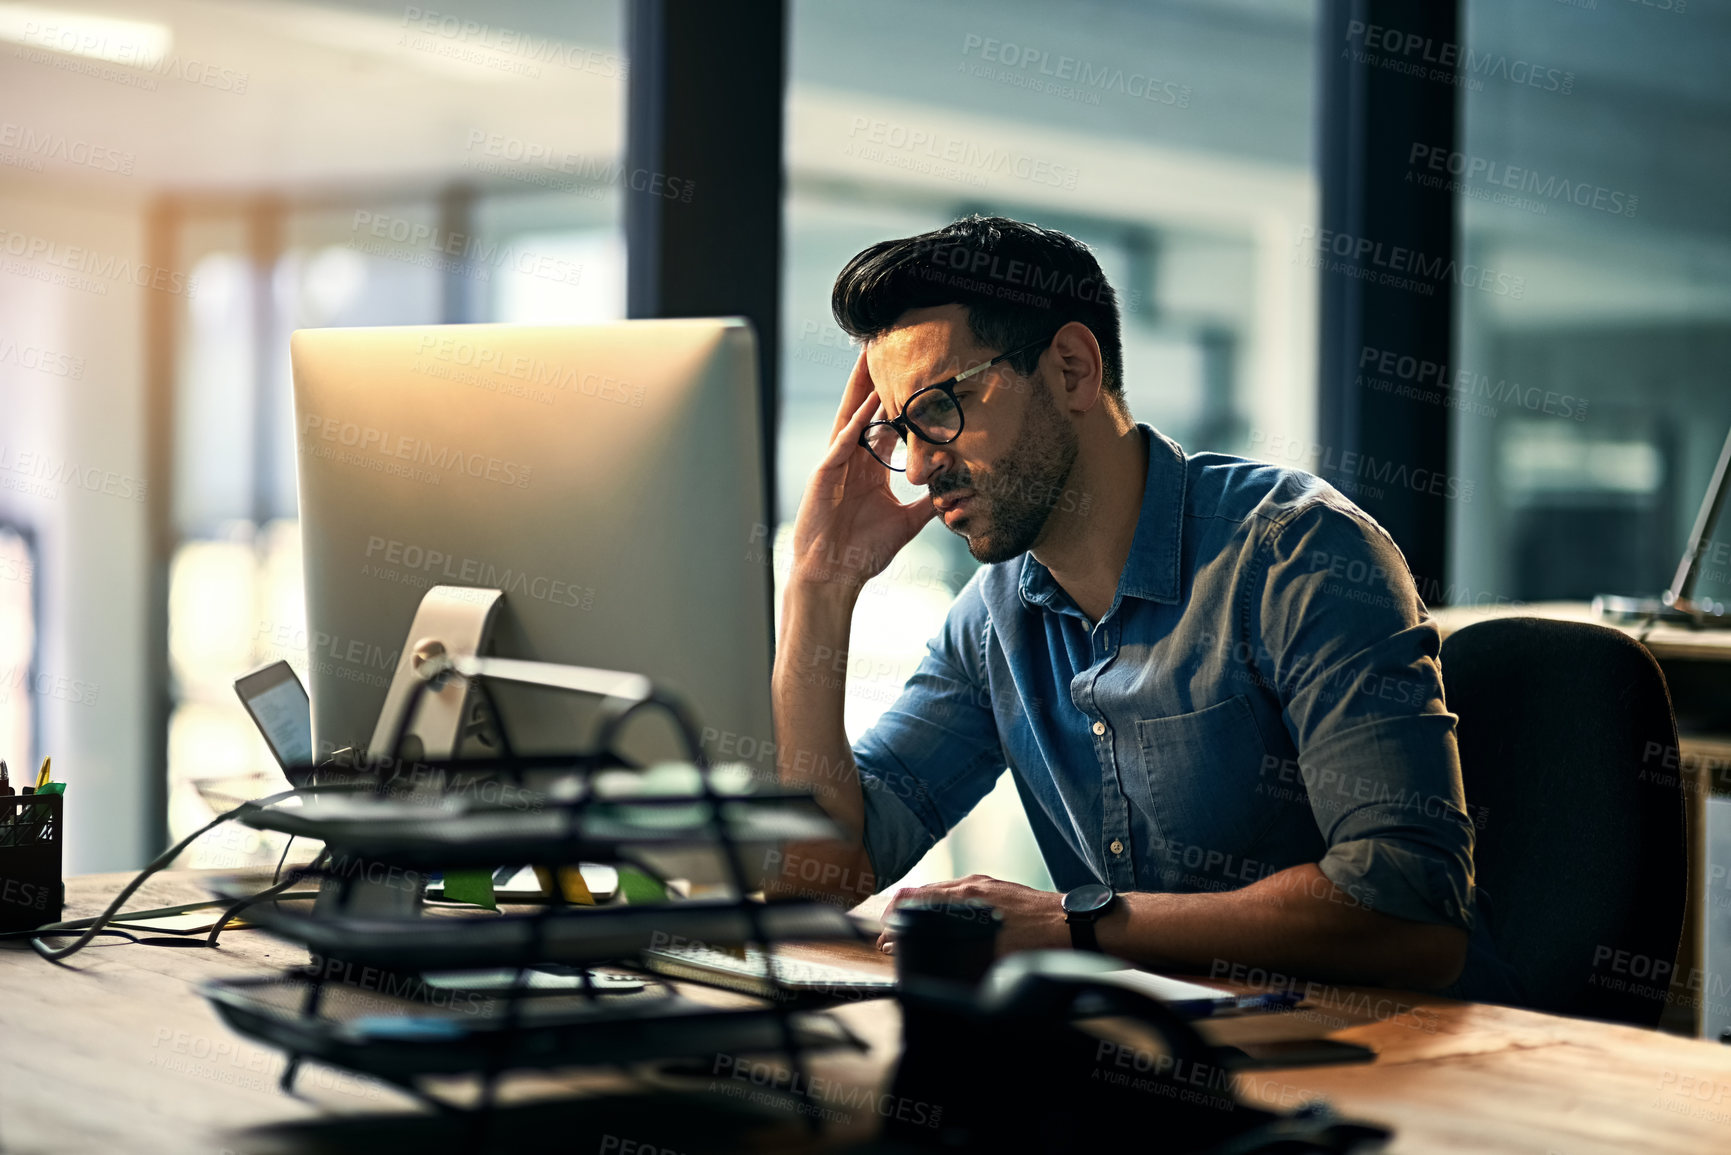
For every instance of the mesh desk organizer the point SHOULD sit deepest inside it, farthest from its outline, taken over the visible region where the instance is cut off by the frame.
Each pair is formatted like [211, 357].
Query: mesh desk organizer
[365, 1005]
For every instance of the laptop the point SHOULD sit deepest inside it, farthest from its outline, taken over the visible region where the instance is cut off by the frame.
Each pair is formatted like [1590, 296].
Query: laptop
[1679, 602]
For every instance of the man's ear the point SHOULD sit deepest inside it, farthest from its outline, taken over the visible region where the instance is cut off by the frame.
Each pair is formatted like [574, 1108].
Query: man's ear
[1080, 368]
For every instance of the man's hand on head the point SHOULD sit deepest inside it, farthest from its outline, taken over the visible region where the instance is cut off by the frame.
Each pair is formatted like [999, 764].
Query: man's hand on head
[850, 523]
[1033, 919]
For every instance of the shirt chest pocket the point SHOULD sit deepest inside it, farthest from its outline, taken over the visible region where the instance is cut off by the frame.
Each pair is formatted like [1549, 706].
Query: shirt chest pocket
[1202, 771]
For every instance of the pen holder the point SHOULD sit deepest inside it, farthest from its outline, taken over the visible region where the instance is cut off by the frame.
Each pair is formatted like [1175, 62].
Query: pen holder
[31, 893]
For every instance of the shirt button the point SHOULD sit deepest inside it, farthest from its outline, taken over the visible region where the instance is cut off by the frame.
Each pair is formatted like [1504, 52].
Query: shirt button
[1116, 847]
[1099, 727]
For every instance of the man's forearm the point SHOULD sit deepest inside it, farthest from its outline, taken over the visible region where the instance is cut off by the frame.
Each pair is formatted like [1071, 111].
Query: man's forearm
[812, 750]
[1296, 922]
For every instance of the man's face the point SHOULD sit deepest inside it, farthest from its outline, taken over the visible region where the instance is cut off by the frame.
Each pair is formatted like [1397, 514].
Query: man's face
[997, 483]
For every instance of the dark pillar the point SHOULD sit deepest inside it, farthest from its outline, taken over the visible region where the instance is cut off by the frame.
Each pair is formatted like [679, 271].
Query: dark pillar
[703, 172]
[1384, 70]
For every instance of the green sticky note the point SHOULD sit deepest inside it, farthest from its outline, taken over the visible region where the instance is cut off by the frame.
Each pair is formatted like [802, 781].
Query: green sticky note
[638, 888]
[474, 886]
[53, 788]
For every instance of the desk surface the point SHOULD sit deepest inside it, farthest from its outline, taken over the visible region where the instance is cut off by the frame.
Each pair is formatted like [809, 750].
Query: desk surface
[1664, 640]
[117, 1052]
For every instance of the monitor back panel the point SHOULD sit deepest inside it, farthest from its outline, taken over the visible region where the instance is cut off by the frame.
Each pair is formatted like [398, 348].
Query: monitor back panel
[608, 478]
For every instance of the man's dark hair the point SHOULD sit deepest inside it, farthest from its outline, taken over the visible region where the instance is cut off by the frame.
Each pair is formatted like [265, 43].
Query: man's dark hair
[1019, 283]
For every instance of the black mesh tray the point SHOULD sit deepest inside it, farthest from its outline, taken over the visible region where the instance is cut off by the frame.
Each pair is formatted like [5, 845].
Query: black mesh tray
[570, 935]
[455, 837]
[402, 1039]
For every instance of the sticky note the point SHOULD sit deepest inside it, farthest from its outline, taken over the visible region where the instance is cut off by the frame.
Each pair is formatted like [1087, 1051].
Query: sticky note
[474, 886]
[570, 882]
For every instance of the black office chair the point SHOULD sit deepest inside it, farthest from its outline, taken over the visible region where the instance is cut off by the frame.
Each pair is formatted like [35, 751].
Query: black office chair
[1568, 753]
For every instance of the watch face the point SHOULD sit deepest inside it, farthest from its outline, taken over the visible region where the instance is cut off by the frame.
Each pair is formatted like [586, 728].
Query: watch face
[1087, 898]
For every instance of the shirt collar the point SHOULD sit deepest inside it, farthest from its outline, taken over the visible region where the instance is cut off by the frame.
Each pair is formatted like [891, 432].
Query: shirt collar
[1151, 572]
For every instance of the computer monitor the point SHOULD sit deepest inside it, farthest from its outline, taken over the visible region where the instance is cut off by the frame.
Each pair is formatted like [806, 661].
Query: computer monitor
[608, 478]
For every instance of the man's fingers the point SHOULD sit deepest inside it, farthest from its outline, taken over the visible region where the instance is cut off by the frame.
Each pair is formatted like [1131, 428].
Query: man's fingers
[859, 384]
[847, 434]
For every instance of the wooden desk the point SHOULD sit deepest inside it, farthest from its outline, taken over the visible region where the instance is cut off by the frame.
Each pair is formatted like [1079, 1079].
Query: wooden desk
[117, 1052]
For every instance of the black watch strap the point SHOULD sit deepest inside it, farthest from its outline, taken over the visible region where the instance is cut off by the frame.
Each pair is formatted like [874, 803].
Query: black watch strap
[1082, 936]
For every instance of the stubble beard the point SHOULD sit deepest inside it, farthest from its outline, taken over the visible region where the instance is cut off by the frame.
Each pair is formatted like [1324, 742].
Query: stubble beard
[1019, 491]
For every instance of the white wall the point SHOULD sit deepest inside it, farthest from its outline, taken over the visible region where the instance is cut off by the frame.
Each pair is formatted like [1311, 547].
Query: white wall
[64, 440]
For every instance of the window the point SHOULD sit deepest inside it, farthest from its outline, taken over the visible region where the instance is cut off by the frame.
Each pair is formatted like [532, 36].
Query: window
[506, 207]
[1591, 406]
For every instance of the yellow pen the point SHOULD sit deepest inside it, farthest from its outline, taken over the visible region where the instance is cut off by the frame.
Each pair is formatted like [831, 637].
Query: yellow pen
[42, 775]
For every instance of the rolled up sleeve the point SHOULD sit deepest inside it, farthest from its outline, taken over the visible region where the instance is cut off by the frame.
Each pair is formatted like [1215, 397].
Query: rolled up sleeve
[1350, 651]
[935, 753]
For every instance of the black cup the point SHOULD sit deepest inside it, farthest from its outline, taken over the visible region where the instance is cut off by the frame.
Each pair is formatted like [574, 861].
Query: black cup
[948, 943]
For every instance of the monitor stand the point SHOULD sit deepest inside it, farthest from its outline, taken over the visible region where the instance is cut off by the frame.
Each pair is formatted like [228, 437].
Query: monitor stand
[421, 719]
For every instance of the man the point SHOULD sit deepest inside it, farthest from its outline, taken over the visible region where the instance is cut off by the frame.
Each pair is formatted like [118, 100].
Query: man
[1212, 679]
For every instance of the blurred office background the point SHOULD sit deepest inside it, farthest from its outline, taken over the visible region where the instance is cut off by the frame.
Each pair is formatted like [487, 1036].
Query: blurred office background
[229, 172]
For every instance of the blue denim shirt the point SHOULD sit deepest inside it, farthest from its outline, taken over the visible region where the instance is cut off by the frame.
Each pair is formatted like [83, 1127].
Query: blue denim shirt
[1263, 692]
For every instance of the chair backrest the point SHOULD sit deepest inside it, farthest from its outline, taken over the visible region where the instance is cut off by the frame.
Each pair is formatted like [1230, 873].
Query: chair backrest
[1568, 751]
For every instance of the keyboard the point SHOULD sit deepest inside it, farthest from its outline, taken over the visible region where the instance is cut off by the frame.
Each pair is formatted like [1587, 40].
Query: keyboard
[750, 975]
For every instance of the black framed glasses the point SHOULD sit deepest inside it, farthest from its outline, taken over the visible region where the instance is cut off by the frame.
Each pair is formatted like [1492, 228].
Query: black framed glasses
[932, 414]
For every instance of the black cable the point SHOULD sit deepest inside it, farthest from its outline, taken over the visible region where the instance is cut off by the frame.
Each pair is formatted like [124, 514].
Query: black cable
[689, 733]
[274, 889]
[277, 873]
[56, 953]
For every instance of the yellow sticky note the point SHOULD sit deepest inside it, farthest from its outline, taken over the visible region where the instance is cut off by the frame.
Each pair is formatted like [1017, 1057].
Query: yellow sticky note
[570, 883]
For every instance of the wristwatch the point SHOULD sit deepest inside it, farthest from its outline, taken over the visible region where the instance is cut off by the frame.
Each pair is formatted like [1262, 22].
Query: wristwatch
[1082, 908]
